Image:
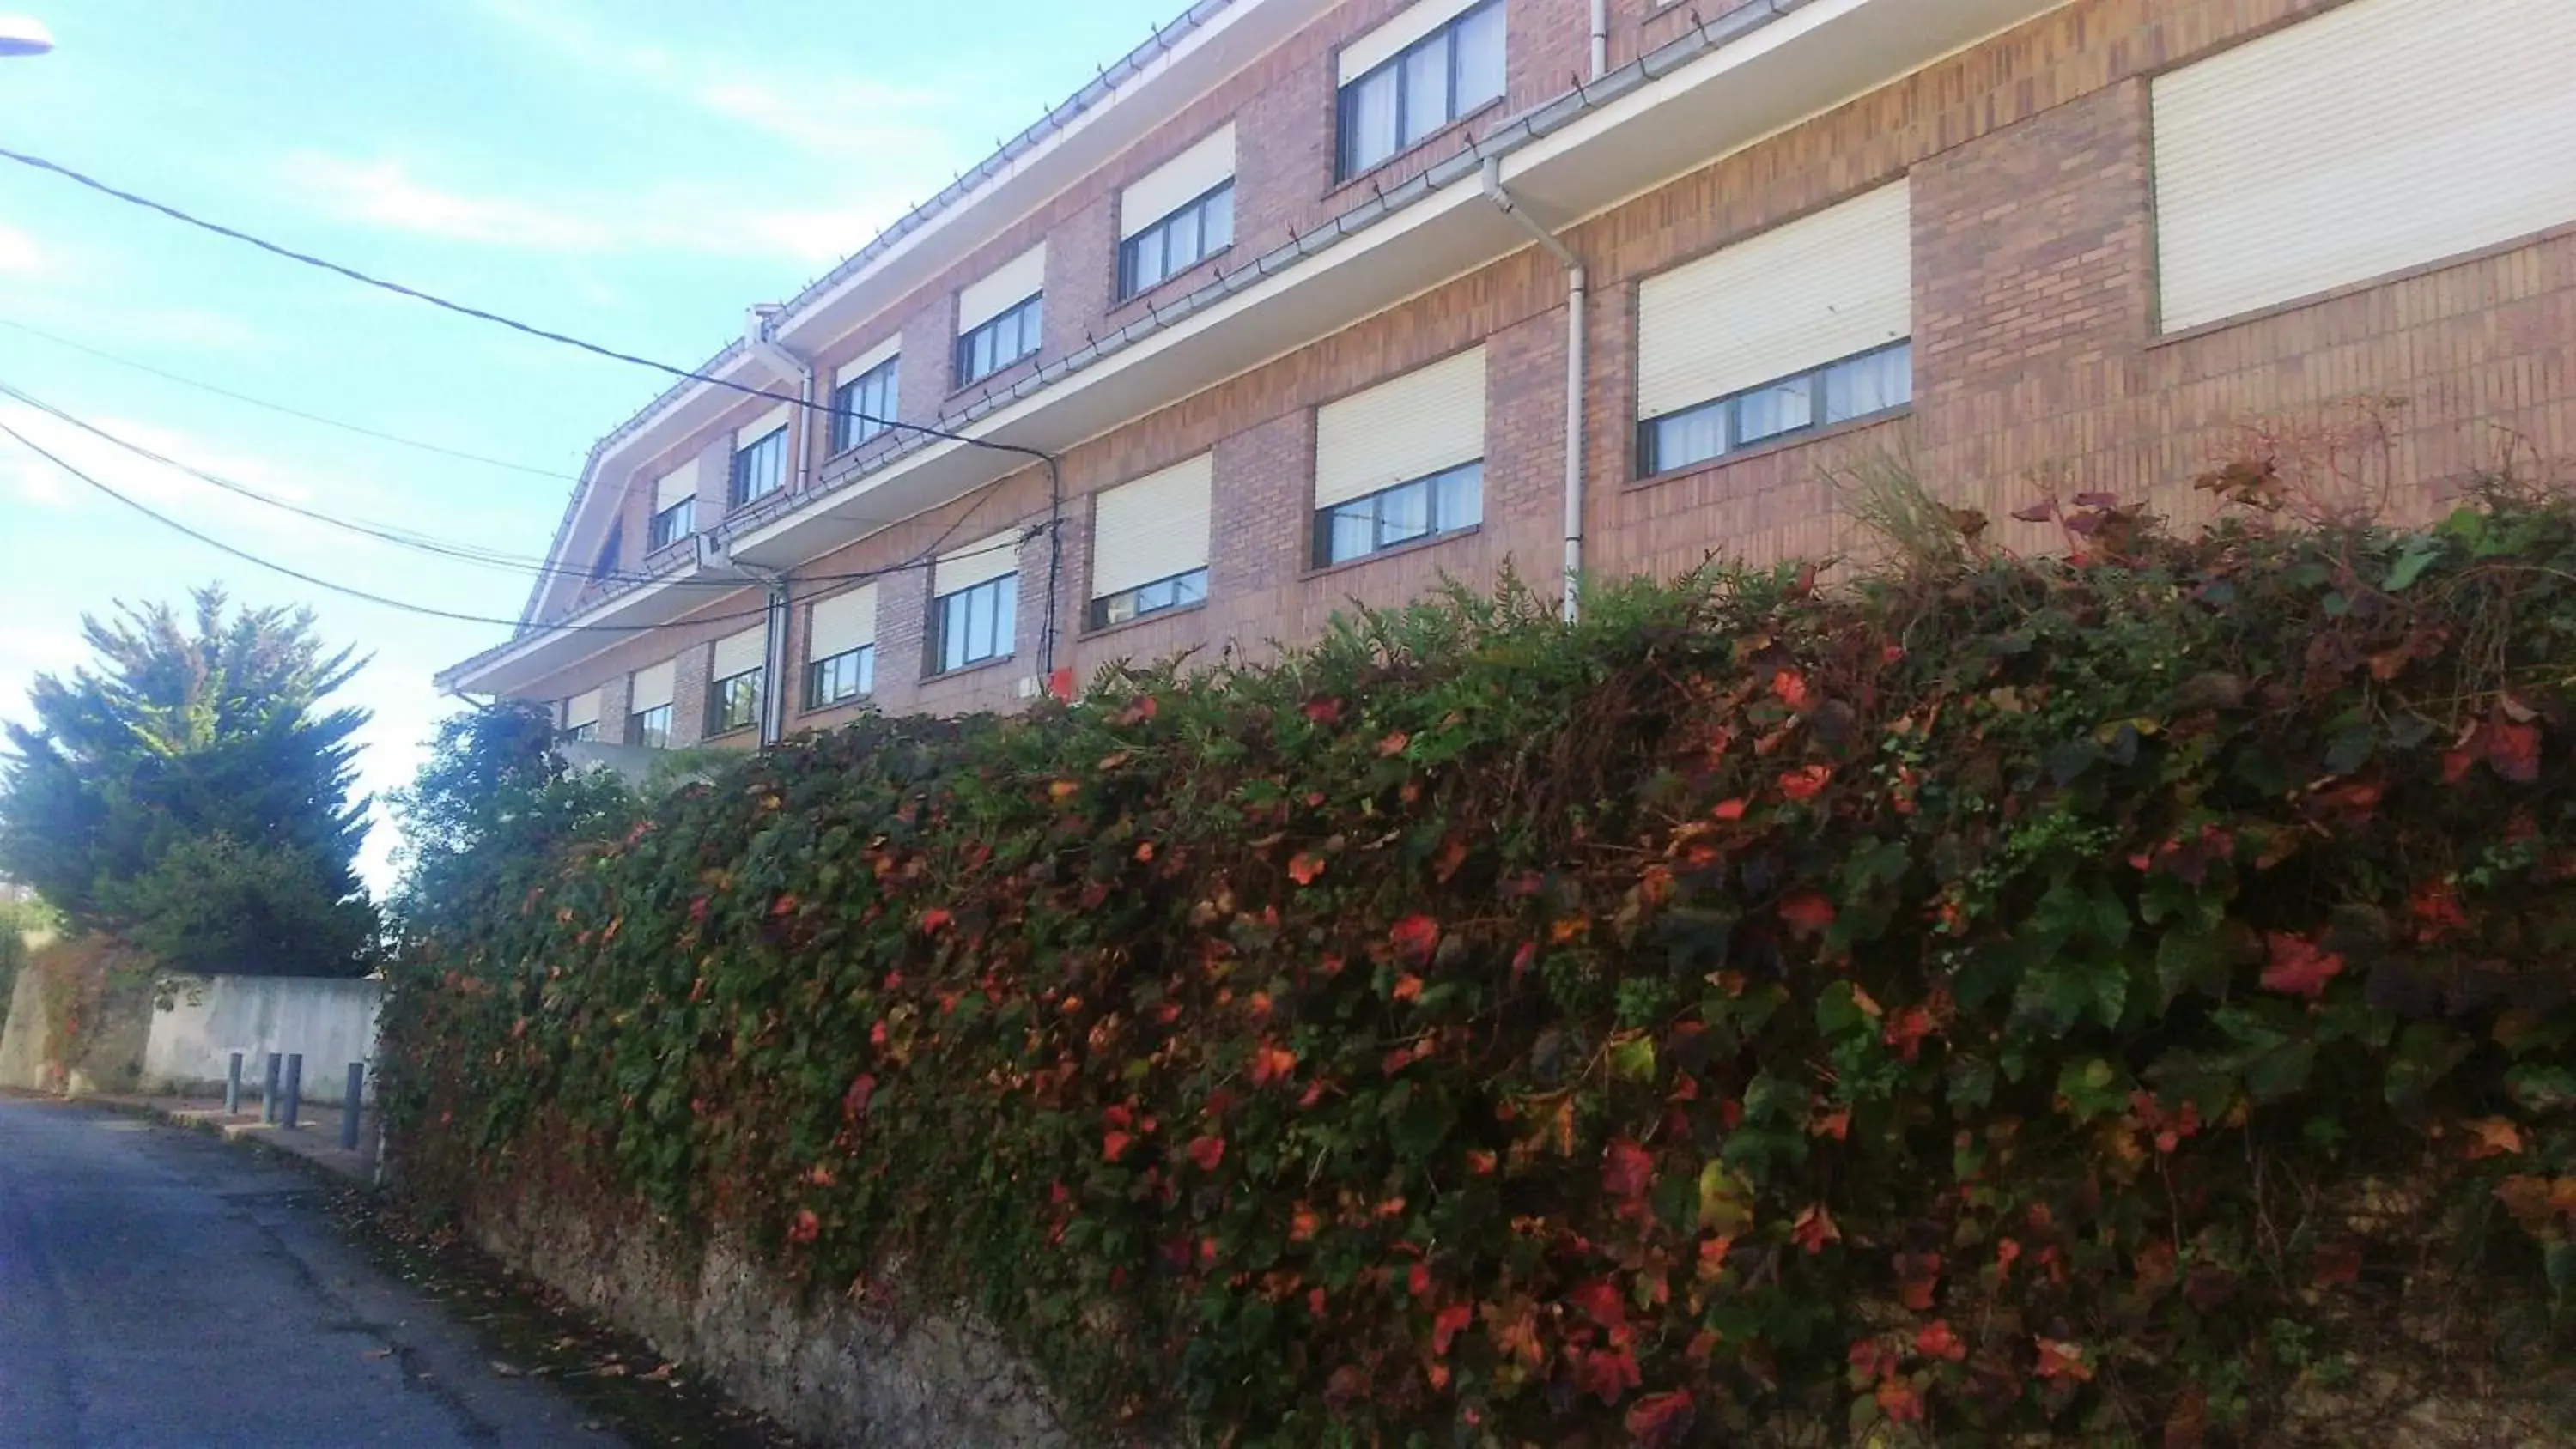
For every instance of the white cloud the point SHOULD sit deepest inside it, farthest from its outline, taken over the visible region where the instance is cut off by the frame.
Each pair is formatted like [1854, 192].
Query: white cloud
[19, 254]
[386, 194]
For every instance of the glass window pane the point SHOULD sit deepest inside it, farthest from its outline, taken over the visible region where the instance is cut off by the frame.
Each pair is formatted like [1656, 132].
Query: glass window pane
[1461, 498]
[1692, 437]
[1403, 513]
[1181, 240]
[1354, 532]
[1006, 603]
[863, 674]
[1031, 320]
[1370, 125]
[1190, 588]
[1218, 224]
[1870, 384]
[1426, 89]
[1780, 408]
[1480, 59]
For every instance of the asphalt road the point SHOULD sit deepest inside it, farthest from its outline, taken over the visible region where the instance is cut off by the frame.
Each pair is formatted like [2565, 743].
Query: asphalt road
[160, 1288]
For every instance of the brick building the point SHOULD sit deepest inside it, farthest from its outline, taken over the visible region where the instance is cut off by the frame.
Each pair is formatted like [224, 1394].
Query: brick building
[1311, 302]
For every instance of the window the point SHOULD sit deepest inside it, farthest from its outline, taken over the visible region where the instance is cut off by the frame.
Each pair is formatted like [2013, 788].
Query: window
[988, 348]
[1442, 503]
[761, 468]
[580, 717]
[1854, 387]
[848, 675]
[2366, 139]
[1178, 242]
[871, 397]
[674, 523]
[1146, 600]
[586, 730]
[974, 623]
[650, 728]
[1431, 82]
[736, 701]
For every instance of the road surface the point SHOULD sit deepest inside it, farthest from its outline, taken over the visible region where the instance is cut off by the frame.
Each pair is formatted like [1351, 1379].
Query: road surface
[160, 1288]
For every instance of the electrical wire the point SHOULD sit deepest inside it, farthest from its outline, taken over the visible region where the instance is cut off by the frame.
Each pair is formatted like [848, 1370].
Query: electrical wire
[276, 407]
[429, 611]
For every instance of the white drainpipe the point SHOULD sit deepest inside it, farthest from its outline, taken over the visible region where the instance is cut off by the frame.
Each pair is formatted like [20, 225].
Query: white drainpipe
[1575, 288]
[774, 618]
[1600, 38]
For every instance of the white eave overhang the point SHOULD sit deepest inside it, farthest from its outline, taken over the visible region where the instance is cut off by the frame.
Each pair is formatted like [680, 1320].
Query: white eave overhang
[1717, 90]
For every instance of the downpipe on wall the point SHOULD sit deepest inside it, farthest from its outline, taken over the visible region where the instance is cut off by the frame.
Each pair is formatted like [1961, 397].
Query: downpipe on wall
[774, 612]
[1576, 289]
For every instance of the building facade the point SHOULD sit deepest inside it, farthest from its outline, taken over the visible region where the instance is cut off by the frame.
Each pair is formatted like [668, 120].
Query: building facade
[1313, 303]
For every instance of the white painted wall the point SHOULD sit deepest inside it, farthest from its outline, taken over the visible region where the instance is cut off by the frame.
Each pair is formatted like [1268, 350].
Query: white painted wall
[333, 1023]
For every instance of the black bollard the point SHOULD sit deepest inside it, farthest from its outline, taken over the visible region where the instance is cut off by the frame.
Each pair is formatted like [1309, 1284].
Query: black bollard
[294, 1087]
[349, 1111]
[268, 1090]
[232, 1086]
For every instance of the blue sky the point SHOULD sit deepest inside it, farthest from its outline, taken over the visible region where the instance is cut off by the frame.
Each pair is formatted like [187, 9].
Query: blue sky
[633, 171]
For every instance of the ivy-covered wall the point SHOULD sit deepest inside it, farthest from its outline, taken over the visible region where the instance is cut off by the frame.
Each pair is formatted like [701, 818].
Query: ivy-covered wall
[2123, 998]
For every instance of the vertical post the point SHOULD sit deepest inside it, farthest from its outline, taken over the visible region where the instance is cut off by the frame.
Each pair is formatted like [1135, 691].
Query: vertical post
[232, 1086]
[268, 1090]
[294, 1087]
[349, 1112]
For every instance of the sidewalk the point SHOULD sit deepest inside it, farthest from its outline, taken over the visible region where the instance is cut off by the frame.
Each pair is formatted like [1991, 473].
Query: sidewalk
[315, 1137]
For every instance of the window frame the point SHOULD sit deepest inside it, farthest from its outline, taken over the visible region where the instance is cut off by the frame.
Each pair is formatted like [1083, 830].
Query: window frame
[577, 734]
[1032, 334]
[720, 698]
[735, 493]
[849, 432]
[1006, 590]
[640, 728]
[1189, 589]
[864, 667]
[662, 532]
[1429, 483]
[1818, 380]
[1159, 231]
[1346, 165]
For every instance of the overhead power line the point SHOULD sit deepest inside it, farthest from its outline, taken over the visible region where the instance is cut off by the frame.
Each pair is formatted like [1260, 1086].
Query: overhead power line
[277, 407]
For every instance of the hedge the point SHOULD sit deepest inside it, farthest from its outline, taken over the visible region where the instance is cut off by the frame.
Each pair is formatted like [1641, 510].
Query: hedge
[2117, 998]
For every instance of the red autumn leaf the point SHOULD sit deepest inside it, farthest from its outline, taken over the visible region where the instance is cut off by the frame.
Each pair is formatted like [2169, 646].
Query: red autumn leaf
[1418, 1281]
[2297, 965]
[1272, 1064]
[2040, 512]
[1393, 745]
[1608, 1372]
[1304, 867]
[1324, 711]
[1900, 1401]
[1114, 1145]
[1627, 1169]
[806, 1228]
[1872, 1359]
[1815, 1228]
[855, 1101]
[2514, 751]
[2060, 1359]
[1806, 783]
[1728, 810]
[1917, 1276]
[1597, 1300]
[1937, 1340]
[1407, 987]
[1480, 1162]
[1906, 1030]
[1791, 686]
[783, 906]
[935, 920]
[1446, 1325]
[1416, 937]
[1207, 1152]
[1658, 1421]
[1807, 913]
[2493, 1137]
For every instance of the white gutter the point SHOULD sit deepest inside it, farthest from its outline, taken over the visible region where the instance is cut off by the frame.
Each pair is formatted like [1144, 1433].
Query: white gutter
[1575, 289]
[1600, 38]
[760, 336]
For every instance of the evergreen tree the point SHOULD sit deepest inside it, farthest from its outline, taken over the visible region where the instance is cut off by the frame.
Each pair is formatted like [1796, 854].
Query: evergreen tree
[191, 791]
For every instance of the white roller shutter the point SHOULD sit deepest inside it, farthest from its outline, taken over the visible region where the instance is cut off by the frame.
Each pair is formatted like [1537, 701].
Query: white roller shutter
[674, 489]
[653, 687]
[867, 362]
[1152, 528]
[1186, 177]
[976, 563]
[1014, 282]
[761, 427]
[740, 653]
[2372, 138]
[842, 623]
[580, 710]
[1797, 296]
[1389, 40]
[1398, 431]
